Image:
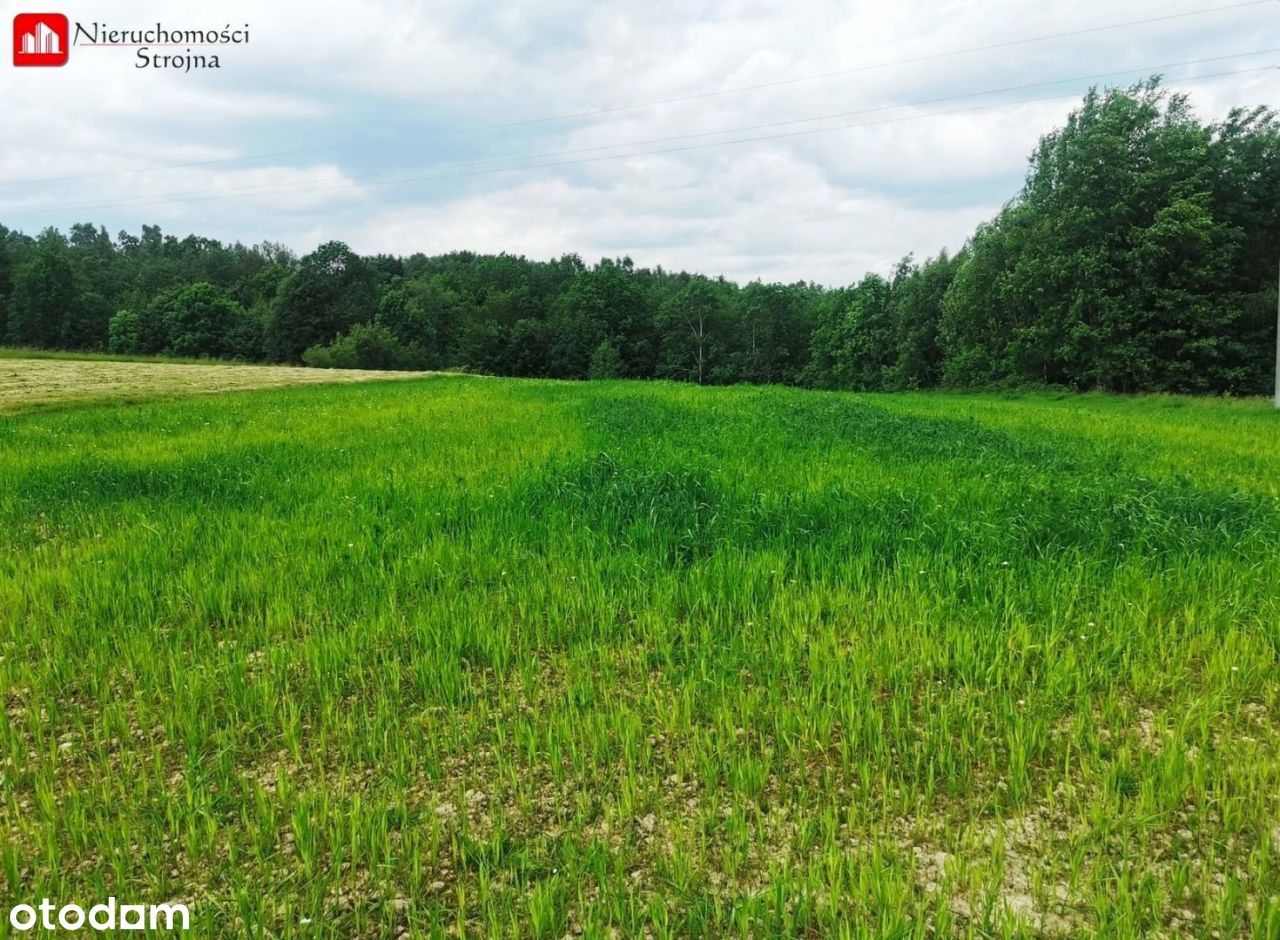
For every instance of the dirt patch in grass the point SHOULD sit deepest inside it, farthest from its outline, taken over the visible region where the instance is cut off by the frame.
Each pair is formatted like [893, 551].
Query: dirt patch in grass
[32, 383]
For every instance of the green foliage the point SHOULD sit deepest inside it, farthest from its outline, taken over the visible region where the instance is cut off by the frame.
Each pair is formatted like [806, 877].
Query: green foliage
[125, 333]
[768, 335]
[605, 303]
[695, 327]
[86, 322]
[606, 362]
[1124, 265]
[527, 350]
[366, 346]
[855, 342]
[153, 324]
[916, 355]
[1138, 256]
[976, 315]
[44, 289]
[6, 279]
[499, 658]
[424, 312]
[332, 289]
[246, 339]
[200, 320]
[482, 343]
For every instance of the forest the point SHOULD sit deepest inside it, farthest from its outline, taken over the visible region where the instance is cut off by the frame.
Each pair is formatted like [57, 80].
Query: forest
[1140, 255]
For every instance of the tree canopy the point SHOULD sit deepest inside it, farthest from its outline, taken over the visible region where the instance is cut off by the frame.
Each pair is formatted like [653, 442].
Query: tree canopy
[1139, 255]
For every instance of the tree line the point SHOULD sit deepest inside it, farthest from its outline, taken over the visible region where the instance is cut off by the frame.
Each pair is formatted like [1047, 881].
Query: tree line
[1140, 255]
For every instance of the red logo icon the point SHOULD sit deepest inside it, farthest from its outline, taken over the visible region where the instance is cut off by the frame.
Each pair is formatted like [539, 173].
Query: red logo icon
[41, 39]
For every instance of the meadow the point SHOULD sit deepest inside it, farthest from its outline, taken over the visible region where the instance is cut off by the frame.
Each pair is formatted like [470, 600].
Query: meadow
[31, 379]
[458, 656]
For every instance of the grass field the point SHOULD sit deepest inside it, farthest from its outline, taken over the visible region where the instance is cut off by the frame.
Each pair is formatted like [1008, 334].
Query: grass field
[26, 384]
[538, 659]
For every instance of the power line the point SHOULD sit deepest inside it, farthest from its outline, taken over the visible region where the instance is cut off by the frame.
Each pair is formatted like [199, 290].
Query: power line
[207, 195]
[210, 195]
[911, 61]
[617, 109]
[394, 177]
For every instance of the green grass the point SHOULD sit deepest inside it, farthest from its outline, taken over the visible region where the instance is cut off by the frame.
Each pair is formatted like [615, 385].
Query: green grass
[22, 352]
[527, 659]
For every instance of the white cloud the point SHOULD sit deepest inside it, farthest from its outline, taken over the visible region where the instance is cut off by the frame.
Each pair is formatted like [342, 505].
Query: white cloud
[762, 215]
[383, 79]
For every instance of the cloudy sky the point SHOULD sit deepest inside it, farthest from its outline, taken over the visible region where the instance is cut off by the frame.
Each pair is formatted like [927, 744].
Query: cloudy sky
[604, 128]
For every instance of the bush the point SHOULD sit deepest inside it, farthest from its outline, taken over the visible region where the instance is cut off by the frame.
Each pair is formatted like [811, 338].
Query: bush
[199, 320]
[367, 346]
[124, 332]
[246, 338]
[606, 362]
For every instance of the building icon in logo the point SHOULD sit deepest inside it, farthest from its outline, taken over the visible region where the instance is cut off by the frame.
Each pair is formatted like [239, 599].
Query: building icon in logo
[40, 39]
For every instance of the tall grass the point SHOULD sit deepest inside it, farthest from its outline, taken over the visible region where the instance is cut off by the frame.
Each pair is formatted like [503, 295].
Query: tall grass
[531, 659]
[23, 352]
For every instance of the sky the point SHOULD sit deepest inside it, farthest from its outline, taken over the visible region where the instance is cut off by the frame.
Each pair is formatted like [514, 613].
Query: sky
[800, 141]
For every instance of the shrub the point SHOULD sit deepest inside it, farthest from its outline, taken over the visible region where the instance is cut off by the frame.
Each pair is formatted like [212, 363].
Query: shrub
[367, 346]
[606, 362]
[199, 320]
[124, 332]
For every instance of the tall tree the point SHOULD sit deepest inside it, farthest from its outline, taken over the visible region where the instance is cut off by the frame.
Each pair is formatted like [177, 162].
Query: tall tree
[604, 303]
[770, 338]
[915, 313]
[694, 327]
[6, 280]
[332, 289]
[44, 289]
[201, 321]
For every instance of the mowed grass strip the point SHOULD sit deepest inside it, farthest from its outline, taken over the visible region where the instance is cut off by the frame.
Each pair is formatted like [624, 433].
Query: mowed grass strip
[530, 659]
[27, 384]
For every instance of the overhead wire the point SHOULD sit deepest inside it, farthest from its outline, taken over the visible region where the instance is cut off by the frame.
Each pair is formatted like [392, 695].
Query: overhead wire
[384, 180]
[697, 96]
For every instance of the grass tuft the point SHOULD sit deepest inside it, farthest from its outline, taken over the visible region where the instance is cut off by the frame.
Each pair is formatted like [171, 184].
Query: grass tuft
[531, 659]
